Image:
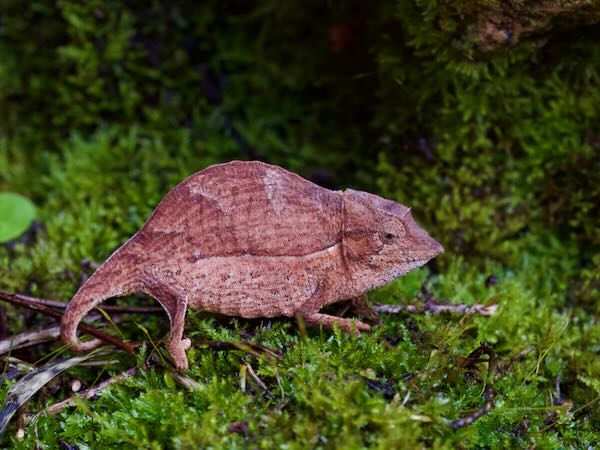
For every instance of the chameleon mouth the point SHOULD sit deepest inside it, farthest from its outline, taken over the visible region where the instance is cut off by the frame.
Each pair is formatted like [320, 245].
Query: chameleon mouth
[422, 246]
[432, 251]
[436, 248]
[428, 250]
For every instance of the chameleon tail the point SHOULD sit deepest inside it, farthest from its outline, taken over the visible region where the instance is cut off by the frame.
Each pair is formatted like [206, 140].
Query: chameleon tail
[115, 278]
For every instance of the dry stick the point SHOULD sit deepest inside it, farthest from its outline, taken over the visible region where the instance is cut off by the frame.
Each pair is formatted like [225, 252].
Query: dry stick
[88, 394]
[255, 378]
[16, 300]
[188, 383]
[437, 308]
[503, 371]
[432, 305]
[107, 308]
[29, 338]
[486, 408]
[35, 337]
[469, 362]
[92, 392]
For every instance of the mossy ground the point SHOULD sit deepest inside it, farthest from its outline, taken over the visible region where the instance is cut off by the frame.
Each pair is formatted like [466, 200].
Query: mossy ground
[106, 107]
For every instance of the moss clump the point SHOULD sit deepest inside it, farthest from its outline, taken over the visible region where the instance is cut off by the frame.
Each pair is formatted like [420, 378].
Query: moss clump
[104, 107]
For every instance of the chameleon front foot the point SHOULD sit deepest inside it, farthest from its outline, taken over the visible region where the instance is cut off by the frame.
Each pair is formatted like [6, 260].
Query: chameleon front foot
[351, 326]
[177, 349]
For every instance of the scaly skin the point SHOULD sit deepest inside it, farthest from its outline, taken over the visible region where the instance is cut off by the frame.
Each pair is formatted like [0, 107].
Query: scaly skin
[253, 240]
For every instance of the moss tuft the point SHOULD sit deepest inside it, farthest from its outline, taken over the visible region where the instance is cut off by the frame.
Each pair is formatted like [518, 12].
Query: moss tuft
[105, 106]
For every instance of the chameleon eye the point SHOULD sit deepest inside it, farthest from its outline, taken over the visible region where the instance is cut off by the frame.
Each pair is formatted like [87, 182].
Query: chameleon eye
[387, 237]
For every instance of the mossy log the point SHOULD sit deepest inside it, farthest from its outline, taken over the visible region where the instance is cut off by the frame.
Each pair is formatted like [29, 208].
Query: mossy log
[496, 24]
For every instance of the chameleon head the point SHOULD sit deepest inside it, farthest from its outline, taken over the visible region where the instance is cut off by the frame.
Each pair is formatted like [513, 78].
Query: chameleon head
[381, 240]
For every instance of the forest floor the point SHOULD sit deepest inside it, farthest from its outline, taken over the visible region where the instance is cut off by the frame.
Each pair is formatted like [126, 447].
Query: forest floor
[519, 378]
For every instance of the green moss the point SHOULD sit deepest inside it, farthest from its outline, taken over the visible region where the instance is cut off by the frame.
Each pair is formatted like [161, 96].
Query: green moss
[105, 107]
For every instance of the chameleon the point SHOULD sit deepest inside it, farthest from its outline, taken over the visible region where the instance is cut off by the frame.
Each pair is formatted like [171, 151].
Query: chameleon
[250, 239]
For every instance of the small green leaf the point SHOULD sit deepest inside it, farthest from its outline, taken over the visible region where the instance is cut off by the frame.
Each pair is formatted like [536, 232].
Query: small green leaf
[16, 214]
[169, 381]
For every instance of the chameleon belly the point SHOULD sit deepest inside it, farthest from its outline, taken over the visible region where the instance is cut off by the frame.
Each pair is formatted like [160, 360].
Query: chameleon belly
[260, 286]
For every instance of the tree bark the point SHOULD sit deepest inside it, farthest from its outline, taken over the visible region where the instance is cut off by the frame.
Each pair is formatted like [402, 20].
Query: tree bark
[495, 24]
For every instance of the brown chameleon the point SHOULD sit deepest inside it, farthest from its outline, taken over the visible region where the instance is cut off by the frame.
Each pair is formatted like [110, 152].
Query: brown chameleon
[253, 240]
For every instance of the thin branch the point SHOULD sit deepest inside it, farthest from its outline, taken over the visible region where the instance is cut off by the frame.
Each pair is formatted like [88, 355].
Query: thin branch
[486, 408]
[34, 337]
[107, 308]
[255, 379]
[16, 299]
[29, 338]
[437, 308]
[470, 363]
[432, 305]
[188, 383]
[520, 355]
[475, 357]
[87, 394]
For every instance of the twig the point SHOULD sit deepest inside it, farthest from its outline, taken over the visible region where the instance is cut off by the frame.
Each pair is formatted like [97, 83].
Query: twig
[35, 337]
[486, 408]
[437, 308]
[434, 306]
[87, 394]
[29, 338]
[475, 357]
[16, 300]
[469, 363]
[255, 378]
[107, 308]
[520, 355]
[188, 383]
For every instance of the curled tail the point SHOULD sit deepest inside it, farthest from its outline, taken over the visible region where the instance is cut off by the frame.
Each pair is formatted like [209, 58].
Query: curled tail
[115, 278]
